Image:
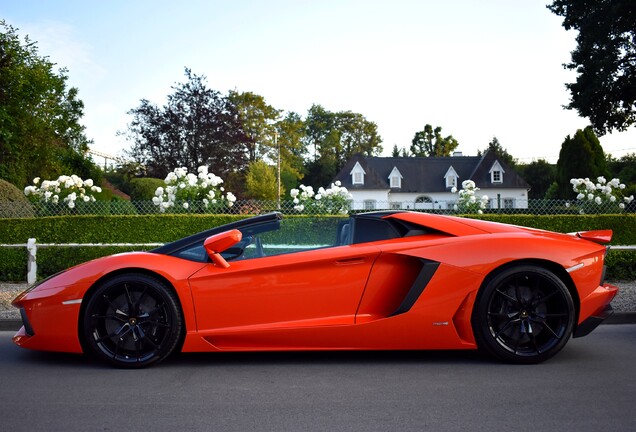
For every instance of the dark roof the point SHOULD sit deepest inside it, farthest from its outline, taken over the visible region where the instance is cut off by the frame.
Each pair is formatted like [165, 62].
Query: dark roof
[426, 174]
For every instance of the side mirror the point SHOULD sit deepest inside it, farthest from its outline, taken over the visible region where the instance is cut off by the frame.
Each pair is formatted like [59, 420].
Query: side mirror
[217, 243]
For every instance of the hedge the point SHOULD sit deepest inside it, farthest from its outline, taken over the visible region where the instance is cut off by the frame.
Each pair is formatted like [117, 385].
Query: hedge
[166, 228]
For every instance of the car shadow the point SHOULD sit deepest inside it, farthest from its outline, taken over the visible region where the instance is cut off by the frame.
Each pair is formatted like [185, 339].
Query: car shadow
[326, 357]
[66, 360]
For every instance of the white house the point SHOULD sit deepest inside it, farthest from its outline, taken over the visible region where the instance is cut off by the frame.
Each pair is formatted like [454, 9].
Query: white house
[426, 182]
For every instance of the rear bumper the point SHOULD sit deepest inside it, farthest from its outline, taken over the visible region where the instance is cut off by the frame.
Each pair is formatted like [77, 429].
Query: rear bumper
[587, 326]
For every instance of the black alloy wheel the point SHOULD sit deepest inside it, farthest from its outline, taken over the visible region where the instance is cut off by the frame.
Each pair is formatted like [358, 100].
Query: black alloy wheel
[525, 314]
[132, 321]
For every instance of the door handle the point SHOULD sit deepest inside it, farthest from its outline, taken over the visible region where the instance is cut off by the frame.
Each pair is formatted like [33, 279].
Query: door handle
[351, 261]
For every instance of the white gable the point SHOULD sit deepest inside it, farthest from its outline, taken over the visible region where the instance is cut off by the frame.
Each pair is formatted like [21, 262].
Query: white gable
[357, 174]
[395, 178]
[496, 173]
[451, 177]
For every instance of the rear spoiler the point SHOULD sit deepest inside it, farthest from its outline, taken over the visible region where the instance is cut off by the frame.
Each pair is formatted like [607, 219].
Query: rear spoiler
[596, 236]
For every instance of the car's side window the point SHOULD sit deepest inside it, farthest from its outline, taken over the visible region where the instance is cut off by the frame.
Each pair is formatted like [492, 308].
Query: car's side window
[369, 230]
[292, 235]
[301, 234]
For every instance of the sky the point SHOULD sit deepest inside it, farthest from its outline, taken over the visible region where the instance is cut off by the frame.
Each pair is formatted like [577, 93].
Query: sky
[479, 69]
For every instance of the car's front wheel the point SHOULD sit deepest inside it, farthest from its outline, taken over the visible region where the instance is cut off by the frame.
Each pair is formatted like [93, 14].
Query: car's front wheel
[524, 314]
[132, 320]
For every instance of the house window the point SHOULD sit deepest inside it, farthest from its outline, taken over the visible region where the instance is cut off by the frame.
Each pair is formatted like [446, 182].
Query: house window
[396, 205]
[496, 177]
[395, 182]
[508, 203]
[358, 178]
[423, 199]
[369, 204]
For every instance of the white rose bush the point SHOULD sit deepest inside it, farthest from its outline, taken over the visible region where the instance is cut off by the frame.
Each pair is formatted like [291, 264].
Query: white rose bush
[62, 194]
[600, 196]
[192, 193]
[335, 200]
[469, 202]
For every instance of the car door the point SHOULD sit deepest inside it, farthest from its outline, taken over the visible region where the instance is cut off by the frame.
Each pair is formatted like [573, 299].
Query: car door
[304, 288]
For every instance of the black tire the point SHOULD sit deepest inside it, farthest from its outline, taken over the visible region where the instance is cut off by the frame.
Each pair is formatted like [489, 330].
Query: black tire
[132, 321]
[524, 314]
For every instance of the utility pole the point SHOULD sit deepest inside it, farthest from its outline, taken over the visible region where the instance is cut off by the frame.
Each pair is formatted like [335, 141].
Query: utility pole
[278, 166]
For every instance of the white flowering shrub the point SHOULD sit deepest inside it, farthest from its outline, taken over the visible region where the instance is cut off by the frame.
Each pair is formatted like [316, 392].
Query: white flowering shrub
[335, 200]
[601, 196]
[468, 201]
[66, 190]
[187, 192]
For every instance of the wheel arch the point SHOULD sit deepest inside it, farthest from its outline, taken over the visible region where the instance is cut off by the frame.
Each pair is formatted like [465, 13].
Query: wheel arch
[551, 266]
[115, 273]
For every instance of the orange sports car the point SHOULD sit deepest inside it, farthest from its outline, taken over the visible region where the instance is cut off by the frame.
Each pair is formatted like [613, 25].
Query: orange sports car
[391, 280]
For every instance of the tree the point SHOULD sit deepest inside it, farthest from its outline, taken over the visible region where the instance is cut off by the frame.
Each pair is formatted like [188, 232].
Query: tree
[291, 144]
[258, 123]
[40, 133]
[261, 181]
[580, 156]
[197, 126]
[624, 168]
[605, 60]
[334, 138]
[429, 142]
[540, 175]
[496, 147]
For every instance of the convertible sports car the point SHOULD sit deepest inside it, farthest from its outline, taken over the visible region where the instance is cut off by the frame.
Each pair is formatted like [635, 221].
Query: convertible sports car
[391, 280]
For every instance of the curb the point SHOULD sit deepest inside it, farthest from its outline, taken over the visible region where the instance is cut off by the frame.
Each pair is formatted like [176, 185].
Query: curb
[10, 324]
[615, 318]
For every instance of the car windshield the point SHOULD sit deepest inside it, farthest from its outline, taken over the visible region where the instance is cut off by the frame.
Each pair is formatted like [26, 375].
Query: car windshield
[290, 235]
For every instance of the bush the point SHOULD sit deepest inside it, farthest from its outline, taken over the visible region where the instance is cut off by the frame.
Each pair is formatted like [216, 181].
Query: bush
[13, 203]
[162, 228]
[143, 189]
[621, 265]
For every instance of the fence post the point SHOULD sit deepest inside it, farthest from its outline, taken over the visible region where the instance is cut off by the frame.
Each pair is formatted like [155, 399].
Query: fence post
[32, 266]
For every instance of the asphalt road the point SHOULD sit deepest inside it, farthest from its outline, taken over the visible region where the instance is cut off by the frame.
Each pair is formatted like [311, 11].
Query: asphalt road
[590, 386]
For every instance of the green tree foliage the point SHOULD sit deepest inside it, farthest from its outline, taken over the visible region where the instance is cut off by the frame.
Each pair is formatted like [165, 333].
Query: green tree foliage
[197, 126]
[334, 138]
[540, 175]
[581, 156]
[261, 181]
[258, 120]
[624, 169]
[40, 133]
[605, 60]
[430, 142]
[291, 144]
[396, 151]
[143, 189]
[495, 146]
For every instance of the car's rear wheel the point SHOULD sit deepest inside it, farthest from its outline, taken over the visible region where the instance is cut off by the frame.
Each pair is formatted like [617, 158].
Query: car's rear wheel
[524, 314]
[132, 320]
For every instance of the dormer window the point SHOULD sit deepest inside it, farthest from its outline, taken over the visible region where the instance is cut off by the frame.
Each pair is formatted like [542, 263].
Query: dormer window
[357, 174]
[451, 178]
[395, 178]
[496, 173]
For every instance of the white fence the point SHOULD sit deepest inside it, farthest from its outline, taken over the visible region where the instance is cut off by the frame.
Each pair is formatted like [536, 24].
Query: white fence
[32, 249]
